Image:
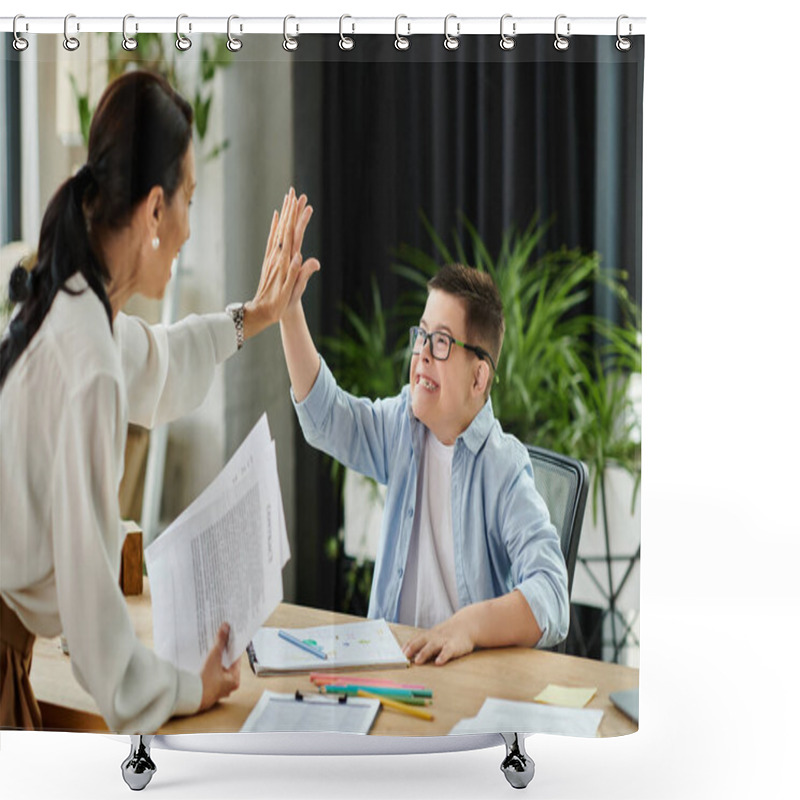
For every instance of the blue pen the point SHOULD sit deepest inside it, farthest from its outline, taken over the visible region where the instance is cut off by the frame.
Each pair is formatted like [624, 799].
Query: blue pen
[309, 648]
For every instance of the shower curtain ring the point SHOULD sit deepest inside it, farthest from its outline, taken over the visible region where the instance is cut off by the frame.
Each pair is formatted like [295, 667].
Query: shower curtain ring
[70, 43]
[346, 42]
[289, 42]
[182, 42]
[507, 42]
[401, 42]
[623, 44]
[561, 42]
[128, 43]
[451, 42]
[233, 44]
[20, 43]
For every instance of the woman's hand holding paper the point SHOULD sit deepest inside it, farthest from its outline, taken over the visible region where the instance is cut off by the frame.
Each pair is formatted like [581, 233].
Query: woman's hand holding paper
[218, 682]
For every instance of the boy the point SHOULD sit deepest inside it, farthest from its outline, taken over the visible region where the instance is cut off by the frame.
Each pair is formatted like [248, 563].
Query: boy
[467, 549]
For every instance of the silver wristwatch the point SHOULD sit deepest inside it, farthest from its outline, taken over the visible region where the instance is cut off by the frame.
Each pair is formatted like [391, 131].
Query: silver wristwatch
[236, 312]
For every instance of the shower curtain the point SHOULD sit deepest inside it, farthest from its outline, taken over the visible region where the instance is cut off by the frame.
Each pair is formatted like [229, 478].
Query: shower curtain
[522, 161]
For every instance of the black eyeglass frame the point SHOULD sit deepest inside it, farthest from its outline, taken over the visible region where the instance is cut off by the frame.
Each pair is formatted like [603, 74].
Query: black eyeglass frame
[415, 331]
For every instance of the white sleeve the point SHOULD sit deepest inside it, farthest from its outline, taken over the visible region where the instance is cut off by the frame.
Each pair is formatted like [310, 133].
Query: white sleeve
[135, 690]
[169, 369]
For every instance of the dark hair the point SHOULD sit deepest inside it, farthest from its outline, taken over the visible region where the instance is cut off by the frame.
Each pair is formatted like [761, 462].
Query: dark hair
[484, 308]
[139, 135]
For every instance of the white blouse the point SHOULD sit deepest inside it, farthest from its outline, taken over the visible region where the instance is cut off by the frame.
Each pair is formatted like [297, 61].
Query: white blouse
[64, 413]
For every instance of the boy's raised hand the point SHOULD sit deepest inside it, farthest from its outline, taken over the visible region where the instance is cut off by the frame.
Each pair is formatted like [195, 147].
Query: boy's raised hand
[311, 265]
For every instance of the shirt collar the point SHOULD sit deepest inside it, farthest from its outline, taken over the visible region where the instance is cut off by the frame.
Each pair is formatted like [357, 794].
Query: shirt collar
[474, 436]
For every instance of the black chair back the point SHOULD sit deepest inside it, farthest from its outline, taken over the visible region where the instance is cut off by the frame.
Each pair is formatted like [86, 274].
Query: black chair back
[563, 483]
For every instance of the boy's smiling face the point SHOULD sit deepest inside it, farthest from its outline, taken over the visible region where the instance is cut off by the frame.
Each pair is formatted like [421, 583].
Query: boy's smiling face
[446, 395]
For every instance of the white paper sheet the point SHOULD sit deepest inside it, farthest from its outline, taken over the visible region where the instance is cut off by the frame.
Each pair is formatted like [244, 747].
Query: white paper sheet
[283, 712]
[498, 716]
[221, 559]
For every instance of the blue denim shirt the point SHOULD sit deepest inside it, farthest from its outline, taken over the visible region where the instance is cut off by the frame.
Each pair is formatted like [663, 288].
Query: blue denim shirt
[503, 537]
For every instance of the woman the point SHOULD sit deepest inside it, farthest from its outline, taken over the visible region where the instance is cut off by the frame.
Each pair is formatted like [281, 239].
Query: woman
[74, 370]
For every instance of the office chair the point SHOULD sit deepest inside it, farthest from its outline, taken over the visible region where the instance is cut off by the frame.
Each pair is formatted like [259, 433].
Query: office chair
[563, 483]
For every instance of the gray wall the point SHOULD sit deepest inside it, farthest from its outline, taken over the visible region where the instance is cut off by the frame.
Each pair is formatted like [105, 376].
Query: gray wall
[258, 171]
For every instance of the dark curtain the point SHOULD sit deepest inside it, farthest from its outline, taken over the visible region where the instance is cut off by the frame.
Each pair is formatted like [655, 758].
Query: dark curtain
[383, 136]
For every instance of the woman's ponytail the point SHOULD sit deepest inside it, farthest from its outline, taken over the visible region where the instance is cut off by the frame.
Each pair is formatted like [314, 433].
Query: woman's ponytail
[140, 132]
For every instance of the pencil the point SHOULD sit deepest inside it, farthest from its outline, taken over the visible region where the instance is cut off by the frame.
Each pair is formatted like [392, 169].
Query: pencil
[315, 651]
[384, 691]
[405, 709]
[352, 691]
[336, 677]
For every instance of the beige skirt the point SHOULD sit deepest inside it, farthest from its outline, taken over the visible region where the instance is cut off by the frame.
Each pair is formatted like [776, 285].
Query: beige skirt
[18, 707]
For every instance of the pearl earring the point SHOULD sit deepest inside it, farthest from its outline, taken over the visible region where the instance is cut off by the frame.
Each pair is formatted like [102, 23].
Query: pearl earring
[156, 242]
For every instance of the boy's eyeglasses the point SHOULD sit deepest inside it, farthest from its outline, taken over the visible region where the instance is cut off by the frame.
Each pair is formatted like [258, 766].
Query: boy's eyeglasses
[441, 343]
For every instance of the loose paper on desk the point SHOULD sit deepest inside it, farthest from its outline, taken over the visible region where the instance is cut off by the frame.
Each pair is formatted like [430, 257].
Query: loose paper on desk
[497, 716]
[314, 712]
[221, 559]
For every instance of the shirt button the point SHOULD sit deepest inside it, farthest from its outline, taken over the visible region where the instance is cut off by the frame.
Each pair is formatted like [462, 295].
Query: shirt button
[400, 572]
[410, 513]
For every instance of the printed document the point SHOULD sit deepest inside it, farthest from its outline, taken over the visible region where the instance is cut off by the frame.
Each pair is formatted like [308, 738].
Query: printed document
[311, 712]
[221, 560]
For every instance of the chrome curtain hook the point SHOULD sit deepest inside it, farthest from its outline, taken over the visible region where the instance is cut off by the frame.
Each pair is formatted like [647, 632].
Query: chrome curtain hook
[401, 42]
[451, 42]
[70, 42]
[289, 43]
[233, 44]
[127, 42]
[19, 42]
[507, 42]
[346, 42]
[623, 44]
[182, 42]
[561, 42]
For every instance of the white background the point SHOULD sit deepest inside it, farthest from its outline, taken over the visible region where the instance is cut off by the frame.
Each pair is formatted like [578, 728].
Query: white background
[720, 602]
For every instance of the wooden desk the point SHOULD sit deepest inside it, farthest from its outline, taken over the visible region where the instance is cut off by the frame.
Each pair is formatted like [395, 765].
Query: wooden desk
[459, 687]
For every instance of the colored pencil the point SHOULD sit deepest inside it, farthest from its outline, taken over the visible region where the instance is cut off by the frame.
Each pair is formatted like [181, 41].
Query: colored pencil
[386, 691]
[350, 680]
[353, 692]
[309, 648]
[396, 706]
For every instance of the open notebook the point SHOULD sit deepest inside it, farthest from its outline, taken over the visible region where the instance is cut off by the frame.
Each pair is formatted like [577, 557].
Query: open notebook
[354, 644]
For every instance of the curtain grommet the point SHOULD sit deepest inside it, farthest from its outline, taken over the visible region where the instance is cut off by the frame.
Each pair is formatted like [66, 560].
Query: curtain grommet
[20, 43]
[346, 42]
[70, 43]
[507, 42]
[401, 42]
[233, 44]
[183, 43]
[128, 42]
[289, 42]
[623, 44]
[561, 43]
[451, 42]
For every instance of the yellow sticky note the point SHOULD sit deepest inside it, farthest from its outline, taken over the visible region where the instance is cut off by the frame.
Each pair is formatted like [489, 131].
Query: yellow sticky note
[566, 696]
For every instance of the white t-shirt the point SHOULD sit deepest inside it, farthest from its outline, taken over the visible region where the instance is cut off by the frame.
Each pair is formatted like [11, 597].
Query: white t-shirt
[64, 412]
[429, 594]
